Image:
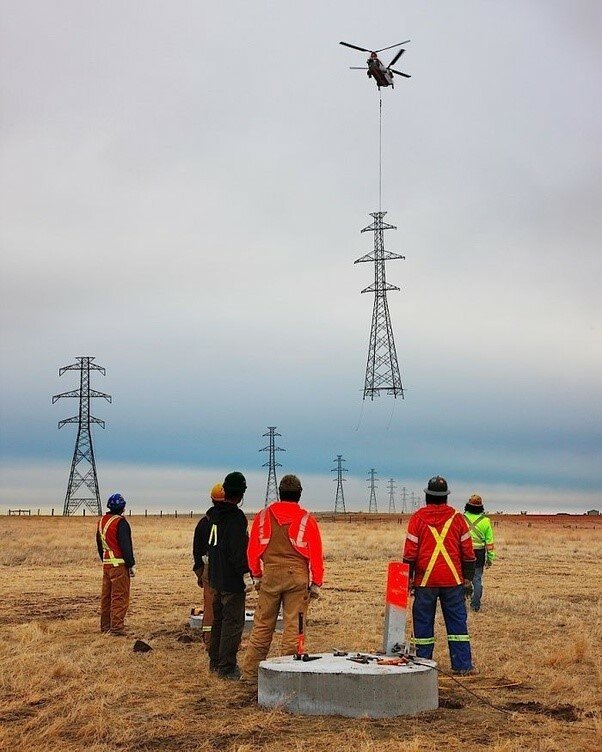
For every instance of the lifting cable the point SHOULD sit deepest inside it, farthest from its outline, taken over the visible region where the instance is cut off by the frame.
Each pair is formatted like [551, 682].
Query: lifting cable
[380, 149]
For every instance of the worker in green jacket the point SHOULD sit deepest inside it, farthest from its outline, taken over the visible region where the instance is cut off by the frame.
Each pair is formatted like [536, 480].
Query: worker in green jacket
[481, 533]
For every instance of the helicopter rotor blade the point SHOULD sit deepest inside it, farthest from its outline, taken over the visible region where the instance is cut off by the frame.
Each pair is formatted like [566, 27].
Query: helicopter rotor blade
[396, 58]
[390, 47]
[355, 47]
[356, 67]
[399, 73]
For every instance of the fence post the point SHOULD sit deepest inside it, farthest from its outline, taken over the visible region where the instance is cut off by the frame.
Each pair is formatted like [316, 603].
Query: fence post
[52, 512]
[176, 514]
[84, 512]
[160, 513]
[146, 512]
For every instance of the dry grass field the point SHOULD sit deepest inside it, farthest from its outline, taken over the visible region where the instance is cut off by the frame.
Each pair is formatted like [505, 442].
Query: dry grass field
[65, 687]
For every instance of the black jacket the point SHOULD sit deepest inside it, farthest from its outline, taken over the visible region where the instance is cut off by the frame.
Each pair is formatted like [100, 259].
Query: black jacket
[124, 538]
[200, 542]
[227, 547]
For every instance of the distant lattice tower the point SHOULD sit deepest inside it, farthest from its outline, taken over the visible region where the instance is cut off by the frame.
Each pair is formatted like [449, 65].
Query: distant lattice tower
[82, 488]
[339, 501]
[404, 506]
[382, 368]
[271, 492]
[392, 488]
[414, 502]
[372, 505]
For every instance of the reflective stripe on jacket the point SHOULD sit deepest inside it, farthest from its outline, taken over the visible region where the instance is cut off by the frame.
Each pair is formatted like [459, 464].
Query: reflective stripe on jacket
[481, 532]
[303, 532]
[107, 530]
[438, 543]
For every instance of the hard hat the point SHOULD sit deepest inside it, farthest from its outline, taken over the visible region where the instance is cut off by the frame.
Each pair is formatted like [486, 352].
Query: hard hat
[116, 503]
[217, 492]
[437, 486]
[235, 484]
[476, 500]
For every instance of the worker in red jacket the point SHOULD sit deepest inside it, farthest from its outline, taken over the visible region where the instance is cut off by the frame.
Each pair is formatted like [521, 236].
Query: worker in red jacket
[438, 548]
[286, 563]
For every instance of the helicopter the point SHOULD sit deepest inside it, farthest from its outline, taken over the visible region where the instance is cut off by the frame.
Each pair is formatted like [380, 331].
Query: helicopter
[383, 75]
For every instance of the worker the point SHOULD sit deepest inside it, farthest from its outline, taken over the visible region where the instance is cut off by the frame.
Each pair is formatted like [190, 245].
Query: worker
[114, 543]
[227, 550]
[482, 542]
[200, 545]
[438, 548]
[287, 567]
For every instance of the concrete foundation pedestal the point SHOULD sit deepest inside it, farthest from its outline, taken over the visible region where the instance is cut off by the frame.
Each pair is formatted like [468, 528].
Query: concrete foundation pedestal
[334, 685]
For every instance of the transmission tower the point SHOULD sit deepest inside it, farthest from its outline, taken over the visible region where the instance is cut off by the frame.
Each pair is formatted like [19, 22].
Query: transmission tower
[372, 505]
[392, 488]
[414, 504]
[271, 491]
[339, 501]
[82, 489]
[404, 506]
[382, 368]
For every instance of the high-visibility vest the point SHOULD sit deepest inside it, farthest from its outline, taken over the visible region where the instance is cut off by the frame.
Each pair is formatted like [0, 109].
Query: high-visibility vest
[440, 550]
[109, 530]
[482, 534]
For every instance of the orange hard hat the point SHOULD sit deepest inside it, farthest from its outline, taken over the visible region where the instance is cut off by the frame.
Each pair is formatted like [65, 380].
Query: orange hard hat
[217, 492]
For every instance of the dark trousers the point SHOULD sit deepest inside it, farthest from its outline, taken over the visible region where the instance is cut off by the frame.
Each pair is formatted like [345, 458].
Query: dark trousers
[226, 632]
[454, 615]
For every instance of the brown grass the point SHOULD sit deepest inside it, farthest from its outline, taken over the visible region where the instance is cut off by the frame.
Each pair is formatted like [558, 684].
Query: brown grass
[65, 687]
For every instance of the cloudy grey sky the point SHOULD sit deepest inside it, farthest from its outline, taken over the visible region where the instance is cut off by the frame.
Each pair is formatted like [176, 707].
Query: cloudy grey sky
[182, 190]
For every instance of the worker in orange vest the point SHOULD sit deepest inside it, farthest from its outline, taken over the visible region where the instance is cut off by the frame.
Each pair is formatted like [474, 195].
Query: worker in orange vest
[438, 548]
[200, 546]
[287, 567]
[114, 543]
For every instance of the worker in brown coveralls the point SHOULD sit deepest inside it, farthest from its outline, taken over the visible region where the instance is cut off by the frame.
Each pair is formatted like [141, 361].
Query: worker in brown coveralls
[287, 567]
[114, 543]
[200, 547]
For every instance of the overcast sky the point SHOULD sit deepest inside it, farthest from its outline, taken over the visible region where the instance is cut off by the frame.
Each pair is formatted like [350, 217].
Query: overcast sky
[182, 189]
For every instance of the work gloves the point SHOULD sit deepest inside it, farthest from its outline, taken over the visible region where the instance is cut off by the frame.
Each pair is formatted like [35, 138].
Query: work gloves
[199, 575]
[468, 589]
[132, 571]
[314, 591]
[249, 583]
[488, 563]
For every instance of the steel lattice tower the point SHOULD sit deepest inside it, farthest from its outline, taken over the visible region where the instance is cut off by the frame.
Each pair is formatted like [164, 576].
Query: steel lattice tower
[372, 505]
[382, 368]
[392, 488]
[271, 492]
[414, 502]
[339, 501]
[404, 506]
[82, 489]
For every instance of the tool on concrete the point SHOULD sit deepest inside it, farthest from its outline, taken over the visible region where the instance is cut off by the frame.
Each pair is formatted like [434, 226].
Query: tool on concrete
[301, 655]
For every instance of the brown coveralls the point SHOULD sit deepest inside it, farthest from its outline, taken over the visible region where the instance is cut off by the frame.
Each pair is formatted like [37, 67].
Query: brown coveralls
[285, 581]
[208, 593]
[114, 598]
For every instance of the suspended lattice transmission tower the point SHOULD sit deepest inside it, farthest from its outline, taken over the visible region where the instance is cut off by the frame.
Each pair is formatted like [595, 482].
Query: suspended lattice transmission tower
[339, 500]
[372, 505]
[82, 488]
[271, 491]
[382, 368]
[392, 488]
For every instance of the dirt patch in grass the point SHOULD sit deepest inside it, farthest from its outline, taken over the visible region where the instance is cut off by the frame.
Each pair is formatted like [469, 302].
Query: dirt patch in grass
[567, 713]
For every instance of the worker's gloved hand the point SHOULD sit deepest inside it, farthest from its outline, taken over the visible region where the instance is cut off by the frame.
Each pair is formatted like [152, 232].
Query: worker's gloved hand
[314, 590]
[412, 588]
[132, 571]
[468, 588]
[257, 583]
[199, 575]
[248, 584]
[488, 563]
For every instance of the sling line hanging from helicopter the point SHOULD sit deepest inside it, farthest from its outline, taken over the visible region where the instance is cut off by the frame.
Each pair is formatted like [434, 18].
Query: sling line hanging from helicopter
[380, 149]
